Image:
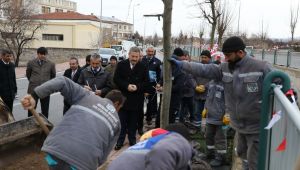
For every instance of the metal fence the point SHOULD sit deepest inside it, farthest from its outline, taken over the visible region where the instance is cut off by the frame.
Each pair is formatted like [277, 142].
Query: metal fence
[274, 100]
[278, 57]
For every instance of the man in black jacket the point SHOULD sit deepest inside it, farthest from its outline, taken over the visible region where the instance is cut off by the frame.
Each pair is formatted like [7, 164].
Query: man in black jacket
[132, 79]
[153, 64]
[72, 73]
[8, 85]
[178, 79]
[95, 78]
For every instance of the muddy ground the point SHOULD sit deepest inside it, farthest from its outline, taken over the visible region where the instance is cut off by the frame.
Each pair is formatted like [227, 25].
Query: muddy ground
[30, 161]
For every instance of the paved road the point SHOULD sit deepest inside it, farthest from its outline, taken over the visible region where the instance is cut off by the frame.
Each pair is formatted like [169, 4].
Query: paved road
[56, 101]
[55, 108]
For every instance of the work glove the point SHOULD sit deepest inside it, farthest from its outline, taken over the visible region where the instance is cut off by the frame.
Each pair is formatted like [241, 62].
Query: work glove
[200, 89]
[204, 113]
[226, 119]
[176, 63]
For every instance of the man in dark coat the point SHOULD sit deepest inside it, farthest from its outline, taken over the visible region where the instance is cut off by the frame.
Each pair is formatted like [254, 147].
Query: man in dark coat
[153, 64]
[132, 79]
[38, 71]
[95, 78]
[178, 79]
[8, 85]
[72, 73]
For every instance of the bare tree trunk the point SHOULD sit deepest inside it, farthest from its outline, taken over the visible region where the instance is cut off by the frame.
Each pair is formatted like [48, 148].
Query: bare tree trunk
[165, 107]
[293, 21]
[212, 35]
[220, 39]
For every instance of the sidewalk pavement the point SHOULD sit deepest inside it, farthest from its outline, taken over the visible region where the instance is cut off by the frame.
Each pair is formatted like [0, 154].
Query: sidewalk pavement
[21, 71]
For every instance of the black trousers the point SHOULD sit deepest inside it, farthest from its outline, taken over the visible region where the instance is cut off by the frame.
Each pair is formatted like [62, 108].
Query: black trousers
[44, 106]
[172, 115]
[140, 122]
[9, 102]
[151, 107]
[129, 121]
[187, 105]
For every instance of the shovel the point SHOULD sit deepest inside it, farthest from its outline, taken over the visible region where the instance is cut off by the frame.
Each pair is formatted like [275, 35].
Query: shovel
[40, 121]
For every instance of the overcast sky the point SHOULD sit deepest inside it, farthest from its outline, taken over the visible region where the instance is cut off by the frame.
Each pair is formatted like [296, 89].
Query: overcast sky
[275, 14]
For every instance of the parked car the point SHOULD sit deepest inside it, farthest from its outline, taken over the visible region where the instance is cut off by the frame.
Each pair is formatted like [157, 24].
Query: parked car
[120, 50]
[106, 53]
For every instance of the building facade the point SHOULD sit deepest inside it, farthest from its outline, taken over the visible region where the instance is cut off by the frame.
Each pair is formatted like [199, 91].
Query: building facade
[68, 30]
[50, 6]
[120, 30]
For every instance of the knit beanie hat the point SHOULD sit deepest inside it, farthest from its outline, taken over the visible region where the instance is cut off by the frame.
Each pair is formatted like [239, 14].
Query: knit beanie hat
[206, 53]
[178, 52]
[233, 44]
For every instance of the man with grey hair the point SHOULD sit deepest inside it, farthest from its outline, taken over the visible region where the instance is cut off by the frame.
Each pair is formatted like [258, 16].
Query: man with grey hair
[132, 79]
[95, 78]
[153, 65]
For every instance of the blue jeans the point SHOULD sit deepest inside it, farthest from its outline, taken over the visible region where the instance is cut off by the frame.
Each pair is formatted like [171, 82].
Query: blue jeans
[199, 106]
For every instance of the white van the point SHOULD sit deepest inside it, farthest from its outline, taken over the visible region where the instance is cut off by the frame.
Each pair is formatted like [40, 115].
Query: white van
[120, 50]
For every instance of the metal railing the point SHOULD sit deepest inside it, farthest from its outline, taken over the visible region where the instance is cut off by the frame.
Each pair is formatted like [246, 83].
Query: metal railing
[288, 126]
[278, 57]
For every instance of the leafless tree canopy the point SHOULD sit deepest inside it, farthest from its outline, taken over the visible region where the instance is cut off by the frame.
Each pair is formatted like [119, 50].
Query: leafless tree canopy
[223, 22]
[263, 34]
[294, 20]
[201, 32]
[17, 28]
[210, 11]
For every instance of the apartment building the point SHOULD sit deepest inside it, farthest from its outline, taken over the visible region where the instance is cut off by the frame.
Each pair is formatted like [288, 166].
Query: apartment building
[69, 30]
[50, 6]
[120, 30]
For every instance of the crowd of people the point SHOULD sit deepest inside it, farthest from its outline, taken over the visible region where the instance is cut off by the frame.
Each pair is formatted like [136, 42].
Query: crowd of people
[103, 105]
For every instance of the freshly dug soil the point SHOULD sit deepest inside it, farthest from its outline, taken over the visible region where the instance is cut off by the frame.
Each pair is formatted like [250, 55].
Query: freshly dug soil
[30, 161]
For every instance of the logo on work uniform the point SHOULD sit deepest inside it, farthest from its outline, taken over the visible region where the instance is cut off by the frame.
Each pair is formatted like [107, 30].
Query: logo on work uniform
[252, 87]
[110, 108]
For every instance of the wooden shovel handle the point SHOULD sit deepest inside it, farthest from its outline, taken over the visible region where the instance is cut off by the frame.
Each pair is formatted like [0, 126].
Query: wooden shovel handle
[40, 121]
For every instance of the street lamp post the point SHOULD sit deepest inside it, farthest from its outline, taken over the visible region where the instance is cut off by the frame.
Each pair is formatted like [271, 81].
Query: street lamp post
[238, 29]
[100, 27]
[133, 15]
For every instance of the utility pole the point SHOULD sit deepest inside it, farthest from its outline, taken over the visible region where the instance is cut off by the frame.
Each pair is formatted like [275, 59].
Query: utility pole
[167, 70]
[100, 29]
[239, 16]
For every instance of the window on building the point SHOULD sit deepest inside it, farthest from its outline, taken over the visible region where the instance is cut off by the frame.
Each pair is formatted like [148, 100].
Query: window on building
[59, 10]
[125, 27]
[120, 27]
[45, 10]
[53, 37]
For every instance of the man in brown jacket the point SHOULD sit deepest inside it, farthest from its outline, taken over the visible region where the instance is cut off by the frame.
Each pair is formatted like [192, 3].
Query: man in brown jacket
[40, 70]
